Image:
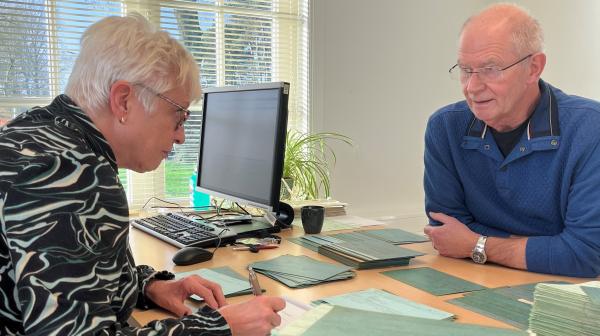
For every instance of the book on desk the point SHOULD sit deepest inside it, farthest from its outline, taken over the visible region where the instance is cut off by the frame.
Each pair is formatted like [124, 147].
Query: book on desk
[332, 207]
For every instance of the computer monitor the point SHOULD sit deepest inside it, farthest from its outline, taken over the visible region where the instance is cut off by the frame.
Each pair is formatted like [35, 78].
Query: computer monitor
[242, 144]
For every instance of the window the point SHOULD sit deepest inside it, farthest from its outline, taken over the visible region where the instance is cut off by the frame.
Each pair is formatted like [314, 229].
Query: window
[235, 42]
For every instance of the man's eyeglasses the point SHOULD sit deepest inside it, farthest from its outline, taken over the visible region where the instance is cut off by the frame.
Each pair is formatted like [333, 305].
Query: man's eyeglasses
[183, 113]
[486, 74]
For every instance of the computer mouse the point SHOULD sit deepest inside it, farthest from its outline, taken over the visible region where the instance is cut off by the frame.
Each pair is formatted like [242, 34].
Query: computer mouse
[191, 255]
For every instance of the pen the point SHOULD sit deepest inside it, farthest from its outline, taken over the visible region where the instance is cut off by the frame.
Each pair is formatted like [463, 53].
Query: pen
[256, 290]
[258, 247]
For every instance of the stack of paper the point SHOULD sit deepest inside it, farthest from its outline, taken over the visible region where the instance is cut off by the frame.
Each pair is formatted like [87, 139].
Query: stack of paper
[392, 236]
[340, 222]
[358, 250]
[377, 300]
[566, 309]
[368, 254]
[301, 271]
[293, 310]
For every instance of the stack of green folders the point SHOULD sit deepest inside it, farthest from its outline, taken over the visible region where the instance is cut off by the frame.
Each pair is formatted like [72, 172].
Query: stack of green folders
[362, 252]
[566, 309]
[301, 271]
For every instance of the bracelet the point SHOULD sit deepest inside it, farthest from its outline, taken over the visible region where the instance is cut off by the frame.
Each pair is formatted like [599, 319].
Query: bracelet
[162, 275]
[148, 274]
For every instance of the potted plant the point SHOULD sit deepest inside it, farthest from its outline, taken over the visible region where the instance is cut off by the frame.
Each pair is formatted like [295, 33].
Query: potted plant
[306, 164]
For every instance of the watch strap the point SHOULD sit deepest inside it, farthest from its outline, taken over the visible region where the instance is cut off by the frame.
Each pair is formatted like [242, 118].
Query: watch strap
[479, 250]
[480, 246]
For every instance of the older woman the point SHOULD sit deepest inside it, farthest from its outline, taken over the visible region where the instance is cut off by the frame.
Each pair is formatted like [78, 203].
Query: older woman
[65, 263]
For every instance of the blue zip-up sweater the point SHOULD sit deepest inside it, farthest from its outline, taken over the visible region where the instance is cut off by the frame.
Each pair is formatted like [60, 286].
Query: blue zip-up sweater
[547, 188]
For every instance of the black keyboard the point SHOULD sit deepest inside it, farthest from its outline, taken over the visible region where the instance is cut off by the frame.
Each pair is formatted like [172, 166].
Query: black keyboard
[182, 231]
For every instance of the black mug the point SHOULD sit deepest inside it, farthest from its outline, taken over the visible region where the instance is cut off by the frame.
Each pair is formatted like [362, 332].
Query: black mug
[312, 218]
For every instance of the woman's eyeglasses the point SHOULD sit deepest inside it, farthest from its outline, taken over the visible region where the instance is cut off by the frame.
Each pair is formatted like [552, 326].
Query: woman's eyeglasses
[183, 113]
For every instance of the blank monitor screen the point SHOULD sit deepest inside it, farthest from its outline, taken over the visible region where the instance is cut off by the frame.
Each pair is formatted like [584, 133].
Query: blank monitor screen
[243, 142]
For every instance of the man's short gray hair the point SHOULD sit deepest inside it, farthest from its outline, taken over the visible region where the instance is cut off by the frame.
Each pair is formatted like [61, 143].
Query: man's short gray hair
[527, 34]
[129, 48]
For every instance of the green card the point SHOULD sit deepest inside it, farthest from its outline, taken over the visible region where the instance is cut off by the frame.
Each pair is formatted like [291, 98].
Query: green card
[496, 306]
[593, 293]
[510, 304]
[380, 301]
[342, 321]
[395, 236]
[432, 281]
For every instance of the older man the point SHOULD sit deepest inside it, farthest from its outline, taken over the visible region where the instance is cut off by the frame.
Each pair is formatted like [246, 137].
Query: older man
[512, 174]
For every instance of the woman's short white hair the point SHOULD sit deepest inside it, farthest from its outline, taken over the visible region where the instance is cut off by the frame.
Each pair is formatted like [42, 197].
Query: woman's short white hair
[129, 48]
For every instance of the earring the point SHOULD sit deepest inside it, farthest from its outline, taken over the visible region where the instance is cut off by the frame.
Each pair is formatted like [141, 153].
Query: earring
[122, 120]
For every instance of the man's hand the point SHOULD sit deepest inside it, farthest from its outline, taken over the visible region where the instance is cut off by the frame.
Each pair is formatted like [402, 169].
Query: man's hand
[452, 239]
[254, 317]
[171, 294]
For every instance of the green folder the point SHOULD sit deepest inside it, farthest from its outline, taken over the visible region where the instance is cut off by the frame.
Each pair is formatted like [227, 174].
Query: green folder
[433, 281]
[232, 283]
[496, 306]
[377, 300]
[341, 321]
[313, 246]
[395, 236]
[301, 271]
[510, 304]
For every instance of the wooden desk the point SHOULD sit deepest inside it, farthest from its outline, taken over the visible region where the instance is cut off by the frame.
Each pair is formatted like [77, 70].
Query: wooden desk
[151, 251]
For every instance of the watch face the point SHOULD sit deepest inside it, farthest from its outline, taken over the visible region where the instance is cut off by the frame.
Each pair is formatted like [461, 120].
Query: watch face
[478, 257]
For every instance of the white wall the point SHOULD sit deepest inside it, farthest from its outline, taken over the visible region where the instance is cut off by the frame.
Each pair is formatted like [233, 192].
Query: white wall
[379, 69]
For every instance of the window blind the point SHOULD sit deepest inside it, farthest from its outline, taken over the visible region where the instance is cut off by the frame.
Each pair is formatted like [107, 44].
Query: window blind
[235, 42]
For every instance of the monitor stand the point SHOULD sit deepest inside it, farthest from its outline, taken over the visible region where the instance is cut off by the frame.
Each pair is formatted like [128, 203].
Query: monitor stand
[262, 227]
[259, 227]
[285, 215]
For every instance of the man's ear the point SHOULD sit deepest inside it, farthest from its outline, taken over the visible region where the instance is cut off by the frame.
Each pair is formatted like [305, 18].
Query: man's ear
[538, 62]
[120, 93]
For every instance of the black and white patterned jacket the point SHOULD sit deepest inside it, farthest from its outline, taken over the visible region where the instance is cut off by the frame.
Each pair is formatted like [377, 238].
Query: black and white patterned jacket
[65, 263]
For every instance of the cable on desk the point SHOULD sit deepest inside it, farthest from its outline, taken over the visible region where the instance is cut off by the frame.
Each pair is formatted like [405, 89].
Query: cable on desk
[219, 241]
[242, 208]
[176, 205]
[162, 200]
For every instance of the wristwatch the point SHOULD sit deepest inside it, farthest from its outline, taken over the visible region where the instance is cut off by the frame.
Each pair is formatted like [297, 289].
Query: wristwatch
[478, 254]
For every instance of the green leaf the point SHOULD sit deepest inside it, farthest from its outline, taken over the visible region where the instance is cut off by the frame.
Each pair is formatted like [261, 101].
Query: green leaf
[307, 157]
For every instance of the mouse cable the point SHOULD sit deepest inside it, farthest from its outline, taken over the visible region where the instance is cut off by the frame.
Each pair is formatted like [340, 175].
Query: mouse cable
[219, 241]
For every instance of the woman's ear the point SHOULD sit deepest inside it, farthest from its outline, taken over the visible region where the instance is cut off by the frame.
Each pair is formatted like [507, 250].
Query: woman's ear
[120, 93]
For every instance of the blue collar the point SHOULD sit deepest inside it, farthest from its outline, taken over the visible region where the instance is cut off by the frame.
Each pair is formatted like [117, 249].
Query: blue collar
[543, 121]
